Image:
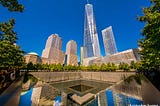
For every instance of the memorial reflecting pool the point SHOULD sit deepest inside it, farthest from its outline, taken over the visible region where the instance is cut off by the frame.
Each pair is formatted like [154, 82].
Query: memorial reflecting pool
[81, 89]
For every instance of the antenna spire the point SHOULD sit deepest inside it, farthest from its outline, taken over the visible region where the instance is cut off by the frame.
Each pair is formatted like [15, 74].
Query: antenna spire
[87, 1]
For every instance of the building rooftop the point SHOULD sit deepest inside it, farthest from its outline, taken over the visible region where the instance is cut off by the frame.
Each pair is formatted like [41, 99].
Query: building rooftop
[32, 53]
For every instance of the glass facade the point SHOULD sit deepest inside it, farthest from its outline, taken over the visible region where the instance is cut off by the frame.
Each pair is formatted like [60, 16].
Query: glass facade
[91, 42]
[109, 41]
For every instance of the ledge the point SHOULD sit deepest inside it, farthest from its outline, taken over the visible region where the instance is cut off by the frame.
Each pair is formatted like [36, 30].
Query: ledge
[81, 100]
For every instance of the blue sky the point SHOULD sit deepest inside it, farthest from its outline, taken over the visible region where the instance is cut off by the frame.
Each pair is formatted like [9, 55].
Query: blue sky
[42, 18]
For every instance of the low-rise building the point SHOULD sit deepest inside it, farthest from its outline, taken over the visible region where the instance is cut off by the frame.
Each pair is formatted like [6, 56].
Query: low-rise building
[125, 56]
[32, 57]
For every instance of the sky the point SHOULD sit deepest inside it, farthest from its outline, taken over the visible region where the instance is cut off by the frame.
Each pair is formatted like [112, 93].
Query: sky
[41, 18]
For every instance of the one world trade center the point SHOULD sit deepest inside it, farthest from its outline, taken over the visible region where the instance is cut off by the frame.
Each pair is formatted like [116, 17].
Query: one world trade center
[91, 42]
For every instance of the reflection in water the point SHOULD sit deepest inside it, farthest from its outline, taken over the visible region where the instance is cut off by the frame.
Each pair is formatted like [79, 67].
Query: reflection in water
[122, 100]
[114, 96]
[25, 98]
[110, 99]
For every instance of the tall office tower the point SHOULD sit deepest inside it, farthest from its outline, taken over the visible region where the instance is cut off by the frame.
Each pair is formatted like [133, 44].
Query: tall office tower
[81, 55]
[71, 47]
[52, 54]
[109, 41]
[71, 53]
[91, 42]
[54, 41]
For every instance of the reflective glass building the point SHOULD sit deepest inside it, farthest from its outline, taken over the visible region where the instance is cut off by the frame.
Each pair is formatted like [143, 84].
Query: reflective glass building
[91, 42]
[109, 41]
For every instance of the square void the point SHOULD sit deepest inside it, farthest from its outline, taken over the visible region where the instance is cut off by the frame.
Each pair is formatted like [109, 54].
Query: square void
[81, 87]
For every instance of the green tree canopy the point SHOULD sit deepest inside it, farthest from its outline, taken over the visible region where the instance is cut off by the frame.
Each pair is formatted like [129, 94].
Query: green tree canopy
[11, 56]
[12, 5]
[124, 66]
[150, 43]
[6, 32]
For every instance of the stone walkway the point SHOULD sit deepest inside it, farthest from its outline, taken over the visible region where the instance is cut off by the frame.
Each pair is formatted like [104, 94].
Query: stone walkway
[11, 96]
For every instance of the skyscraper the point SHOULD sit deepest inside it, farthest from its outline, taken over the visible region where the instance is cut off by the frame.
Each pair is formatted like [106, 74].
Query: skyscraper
[71, 47]
[91, 42]
[109, 41]
[52, 54]
[81, 54]
[71, 53]
[54, 41]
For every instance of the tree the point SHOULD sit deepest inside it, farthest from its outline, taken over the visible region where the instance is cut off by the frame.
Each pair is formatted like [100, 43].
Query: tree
[109, 67]
[95, 67]
[58, 67]
[133, 65]
[113, 67]
[30, 66]
[150, 43]
[103, 67]
[124, 66]
[38, 66]
[12, 5]
[11, 56]
[83, 68]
